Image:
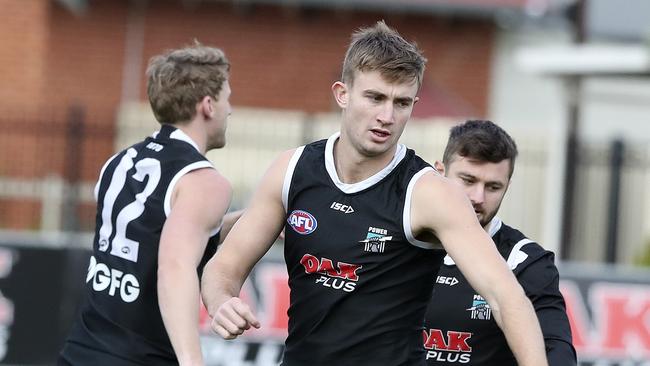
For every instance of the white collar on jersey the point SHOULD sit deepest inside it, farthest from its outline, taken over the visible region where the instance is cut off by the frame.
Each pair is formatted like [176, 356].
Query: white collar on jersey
[348, 188]
[180, 135]
[493, 228]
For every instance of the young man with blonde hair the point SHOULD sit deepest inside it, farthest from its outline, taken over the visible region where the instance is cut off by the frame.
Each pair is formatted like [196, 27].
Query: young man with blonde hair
[365, 220]
[160, 208]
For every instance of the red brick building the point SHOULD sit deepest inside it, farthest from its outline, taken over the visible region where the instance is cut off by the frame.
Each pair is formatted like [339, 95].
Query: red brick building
[54, 59]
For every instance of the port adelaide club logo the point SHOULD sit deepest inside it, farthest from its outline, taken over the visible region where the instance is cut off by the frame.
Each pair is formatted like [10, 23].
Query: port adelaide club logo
[302, 222]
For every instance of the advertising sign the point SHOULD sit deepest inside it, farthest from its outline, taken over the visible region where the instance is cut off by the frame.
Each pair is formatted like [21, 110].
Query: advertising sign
[608, 308]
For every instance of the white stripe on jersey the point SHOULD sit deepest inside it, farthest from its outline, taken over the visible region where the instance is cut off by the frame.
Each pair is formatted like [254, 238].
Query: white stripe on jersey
[180, 135]
[289, 175]
[179, 175]
[493, 227]
[349, 188]
[406, 215]
[517, 256]
[101, 174]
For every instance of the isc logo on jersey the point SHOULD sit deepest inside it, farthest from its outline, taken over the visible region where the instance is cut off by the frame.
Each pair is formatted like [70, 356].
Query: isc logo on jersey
[111, 279]
[302, 222]
[446, 280]
[341, 207]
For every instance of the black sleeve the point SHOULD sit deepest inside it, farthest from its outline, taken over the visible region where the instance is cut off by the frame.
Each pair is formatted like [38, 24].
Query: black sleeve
[559, 352]
[540, 280]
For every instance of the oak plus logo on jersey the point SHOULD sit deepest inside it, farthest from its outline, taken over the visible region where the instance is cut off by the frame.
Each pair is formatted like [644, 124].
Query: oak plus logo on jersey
[302, 222]
[335, 275]
[449, 347]
[113, 281]
[480, 308]
[347, 209]
[375, 241]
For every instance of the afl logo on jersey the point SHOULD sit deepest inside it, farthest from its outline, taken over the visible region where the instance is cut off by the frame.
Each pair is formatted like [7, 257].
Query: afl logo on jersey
[302, 222]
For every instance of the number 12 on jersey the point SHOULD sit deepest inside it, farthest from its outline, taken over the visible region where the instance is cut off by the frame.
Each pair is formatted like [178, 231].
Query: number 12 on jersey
[121, 246]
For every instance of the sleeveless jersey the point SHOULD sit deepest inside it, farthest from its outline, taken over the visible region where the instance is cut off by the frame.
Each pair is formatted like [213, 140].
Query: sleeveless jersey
[359, 281]
[459, 328]
[120, 321]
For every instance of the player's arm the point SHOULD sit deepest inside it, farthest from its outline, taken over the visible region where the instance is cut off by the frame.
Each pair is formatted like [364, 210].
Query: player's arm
[247, 242]
[229, 221]
[442, 208]
[198, 203]
[540, 280]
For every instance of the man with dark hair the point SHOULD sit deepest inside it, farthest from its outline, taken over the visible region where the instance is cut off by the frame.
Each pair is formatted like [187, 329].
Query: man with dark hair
[160, 213]
[459, 329]
[365, 220]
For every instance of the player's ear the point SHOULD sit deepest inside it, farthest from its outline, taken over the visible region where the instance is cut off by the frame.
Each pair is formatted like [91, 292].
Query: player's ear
[341, 93]
[205, 107]
[439, 167]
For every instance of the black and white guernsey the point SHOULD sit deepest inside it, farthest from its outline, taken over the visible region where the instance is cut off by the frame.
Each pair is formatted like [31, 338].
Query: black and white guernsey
[460, 328]
[360, 282]
[120, 321]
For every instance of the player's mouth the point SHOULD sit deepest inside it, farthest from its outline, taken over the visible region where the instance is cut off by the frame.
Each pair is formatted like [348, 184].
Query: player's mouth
[380, 135]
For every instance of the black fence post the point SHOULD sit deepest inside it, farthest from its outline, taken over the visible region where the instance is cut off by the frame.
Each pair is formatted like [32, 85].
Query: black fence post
[74, 138]
[616, 165]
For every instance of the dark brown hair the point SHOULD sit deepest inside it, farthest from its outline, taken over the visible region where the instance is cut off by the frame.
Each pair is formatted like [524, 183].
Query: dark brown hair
[480, 140]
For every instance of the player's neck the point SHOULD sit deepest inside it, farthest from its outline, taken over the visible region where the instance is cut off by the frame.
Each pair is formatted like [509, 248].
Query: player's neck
[194, 131]
[353, 167]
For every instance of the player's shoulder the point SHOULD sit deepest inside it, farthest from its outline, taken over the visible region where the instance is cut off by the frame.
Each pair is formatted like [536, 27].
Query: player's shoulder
[519, 250]
[284, 164]
[315, 152]
[412, 164]
[431, 186]
[316, 145]
[508, 237]
[204, 183]
[174, 154]
[287, 158]
[417, 158]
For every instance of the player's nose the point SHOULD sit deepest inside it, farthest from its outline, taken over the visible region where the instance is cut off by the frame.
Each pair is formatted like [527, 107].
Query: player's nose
[476, 194]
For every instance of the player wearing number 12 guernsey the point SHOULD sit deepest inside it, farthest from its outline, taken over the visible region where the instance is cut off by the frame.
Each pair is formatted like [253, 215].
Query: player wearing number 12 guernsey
[160, 210]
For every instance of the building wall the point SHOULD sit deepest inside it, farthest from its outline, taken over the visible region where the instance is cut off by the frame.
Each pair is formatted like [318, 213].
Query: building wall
[23, 52]
[67, 67]
[533, 105]
[283, 57]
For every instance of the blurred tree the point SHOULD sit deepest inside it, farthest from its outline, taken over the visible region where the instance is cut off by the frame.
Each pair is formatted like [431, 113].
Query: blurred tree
[644, 258]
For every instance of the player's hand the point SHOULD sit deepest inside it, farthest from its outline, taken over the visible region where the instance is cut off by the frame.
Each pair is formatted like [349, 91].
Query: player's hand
[232, 318]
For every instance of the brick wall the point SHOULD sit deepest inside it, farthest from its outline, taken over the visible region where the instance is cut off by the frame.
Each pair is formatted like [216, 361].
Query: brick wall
[23, 35]
[85, 57]
[283, 58]
[288, 59]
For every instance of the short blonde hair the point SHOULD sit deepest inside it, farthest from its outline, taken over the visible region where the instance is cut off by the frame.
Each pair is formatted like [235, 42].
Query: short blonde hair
[381, 48]
[180, 78]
